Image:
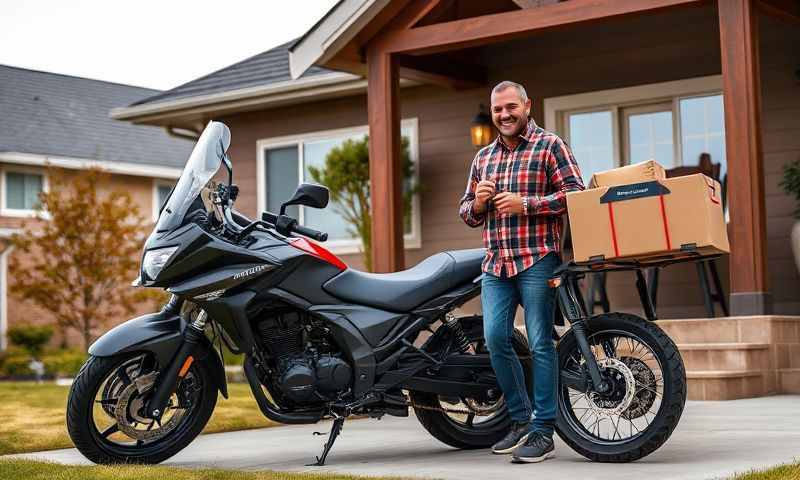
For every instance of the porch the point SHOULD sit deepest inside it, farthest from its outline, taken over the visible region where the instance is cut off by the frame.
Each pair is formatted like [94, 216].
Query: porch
[583, 56]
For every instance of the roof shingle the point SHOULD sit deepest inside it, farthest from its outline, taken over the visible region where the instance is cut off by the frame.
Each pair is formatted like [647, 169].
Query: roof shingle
[52, 114]
[265, 68]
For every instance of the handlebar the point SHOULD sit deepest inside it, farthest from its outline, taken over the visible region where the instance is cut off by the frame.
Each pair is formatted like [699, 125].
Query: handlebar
[310, 232]
[286, 225]
[223, 198]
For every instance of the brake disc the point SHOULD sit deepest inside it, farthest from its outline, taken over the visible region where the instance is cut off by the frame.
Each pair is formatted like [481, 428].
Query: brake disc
[602, 404]
[131, 402]
[645, 394]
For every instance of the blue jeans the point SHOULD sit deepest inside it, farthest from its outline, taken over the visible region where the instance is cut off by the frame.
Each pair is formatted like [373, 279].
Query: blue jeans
[500, 297]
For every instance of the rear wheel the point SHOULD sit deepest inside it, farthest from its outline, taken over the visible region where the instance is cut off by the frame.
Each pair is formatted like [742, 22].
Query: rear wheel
[648, 390]
[105, 410]
[469, 423]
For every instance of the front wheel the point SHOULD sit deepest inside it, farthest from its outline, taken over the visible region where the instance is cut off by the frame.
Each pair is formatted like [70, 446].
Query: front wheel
[105, 410]
[646, 399]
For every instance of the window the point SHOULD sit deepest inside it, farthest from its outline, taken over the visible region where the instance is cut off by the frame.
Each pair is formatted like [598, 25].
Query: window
[671, 122]
[161, 190]
[21, 189]
[283, 163]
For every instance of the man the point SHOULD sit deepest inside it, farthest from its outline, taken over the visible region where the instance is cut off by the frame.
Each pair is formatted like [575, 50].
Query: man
[516, 188]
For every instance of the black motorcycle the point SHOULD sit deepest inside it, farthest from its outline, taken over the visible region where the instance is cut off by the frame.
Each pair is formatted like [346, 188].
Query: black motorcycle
[324, 341]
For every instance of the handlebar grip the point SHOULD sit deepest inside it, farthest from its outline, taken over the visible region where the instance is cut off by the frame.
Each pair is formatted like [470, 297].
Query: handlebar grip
[311, 233]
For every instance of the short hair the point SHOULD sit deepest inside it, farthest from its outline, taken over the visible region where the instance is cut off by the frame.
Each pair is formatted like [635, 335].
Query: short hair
[509, 84]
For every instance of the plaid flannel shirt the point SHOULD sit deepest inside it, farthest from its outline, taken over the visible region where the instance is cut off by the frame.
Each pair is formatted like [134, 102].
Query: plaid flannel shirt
[541, 168]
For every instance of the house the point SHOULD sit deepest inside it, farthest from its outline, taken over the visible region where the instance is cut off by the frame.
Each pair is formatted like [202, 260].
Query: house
[621, 80]
[48, 119]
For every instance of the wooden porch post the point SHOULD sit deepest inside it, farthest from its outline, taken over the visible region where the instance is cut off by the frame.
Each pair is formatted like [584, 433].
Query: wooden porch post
[384, 161]
[738, 22]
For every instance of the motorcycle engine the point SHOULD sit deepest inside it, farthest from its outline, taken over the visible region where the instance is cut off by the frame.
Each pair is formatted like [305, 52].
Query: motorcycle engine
[309, 369]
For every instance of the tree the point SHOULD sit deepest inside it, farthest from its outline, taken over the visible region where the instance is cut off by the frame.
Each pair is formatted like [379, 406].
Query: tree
[346, 174]
[79, 259]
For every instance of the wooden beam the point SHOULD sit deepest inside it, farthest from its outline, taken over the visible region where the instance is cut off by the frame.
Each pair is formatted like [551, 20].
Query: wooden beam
[534, 3]
[449, 74]
[497, 27]
[415, 12]
[738, 22]
[385, 164]
[784, 9]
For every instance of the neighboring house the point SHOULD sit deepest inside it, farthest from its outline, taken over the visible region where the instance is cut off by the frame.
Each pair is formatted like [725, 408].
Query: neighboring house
[59, 120]
[622, 81]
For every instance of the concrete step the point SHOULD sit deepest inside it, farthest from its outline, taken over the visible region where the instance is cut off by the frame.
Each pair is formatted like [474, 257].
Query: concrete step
[789, 380]
[751, 356]
[755, 329]
[730, 384]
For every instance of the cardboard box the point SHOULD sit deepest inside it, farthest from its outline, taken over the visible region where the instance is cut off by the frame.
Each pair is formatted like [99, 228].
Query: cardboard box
[653, 219]
[638, 172]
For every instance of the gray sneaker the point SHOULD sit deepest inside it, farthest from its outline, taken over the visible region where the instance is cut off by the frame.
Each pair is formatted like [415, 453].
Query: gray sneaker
[537, 447]
[516, 437]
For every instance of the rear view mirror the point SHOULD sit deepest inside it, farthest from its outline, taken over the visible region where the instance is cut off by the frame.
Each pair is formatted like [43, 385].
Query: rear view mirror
[308, 194]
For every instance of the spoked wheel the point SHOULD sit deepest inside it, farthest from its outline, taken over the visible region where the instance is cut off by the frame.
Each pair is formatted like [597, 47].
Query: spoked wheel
[647, 396]
[105, 411]
[465, 422]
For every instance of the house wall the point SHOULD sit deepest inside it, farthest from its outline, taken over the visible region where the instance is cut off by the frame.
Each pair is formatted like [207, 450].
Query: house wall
[19, 311]
[633, 51]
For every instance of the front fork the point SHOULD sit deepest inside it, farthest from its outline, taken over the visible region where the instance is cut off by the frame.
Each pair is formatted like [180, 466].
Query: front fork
[178, 367]
[574, 310]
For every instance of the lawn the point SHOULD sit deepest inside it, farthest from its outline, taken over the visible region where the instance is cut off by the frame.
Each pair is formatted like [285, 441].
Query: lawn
[33, 416]
[782, 472]
[30, 470]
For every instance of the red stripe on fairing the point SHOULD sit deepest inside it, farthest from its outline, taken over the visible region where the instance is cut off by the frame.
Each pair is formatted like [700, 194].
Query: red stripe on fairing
[318, 251]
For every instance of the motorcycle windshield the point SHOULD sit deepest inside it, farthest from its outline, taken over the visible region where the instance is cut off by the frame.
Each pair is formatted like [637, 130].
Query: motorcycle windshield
[203, 164]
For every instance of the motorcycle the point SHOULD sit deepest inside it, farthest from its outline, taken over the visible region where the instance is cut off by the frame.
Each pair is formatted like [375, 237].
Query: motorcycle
[324, 341]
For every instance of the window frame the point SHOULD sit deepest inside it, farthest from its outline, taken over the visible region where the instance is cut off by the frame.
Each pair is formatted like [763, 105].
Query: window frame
[558, 109]
[159, 182]
[412, 240]
[5, 211]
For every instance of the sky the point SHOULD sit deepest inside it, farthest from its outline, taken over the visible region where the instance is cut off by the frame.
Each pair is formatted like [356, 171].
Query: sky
[156, 44]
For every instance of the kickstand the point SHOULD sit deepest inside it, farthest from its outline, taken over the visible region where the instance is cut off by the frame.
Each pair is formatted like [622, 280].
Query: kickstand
[336, 429]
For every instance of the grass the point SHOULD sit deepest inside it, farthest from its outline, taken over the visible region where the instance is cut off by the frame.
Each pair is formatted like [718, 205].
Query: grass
[33, 416]
[31, 470]
[782, 472]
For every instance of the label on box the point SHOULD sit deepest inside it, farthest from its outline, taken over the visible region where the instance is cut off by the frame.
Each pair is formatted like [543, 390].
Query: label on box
[633, 191]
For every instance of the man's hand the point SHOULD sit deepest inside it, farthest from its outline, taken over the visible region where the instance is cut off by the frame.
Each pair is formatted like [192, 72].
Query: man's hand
[507, 202]
[483, 192]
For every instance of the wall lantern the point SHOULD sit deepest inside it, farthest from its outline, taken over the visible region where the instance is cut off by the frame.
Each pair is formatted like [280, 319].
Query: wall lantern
[481, 129]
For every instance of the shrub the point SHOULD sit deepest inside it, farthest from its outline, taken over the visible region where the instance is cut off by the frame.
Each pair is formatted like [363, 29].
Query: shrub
[791, 183]
[63, 363]
[15, 362]
[32, 338]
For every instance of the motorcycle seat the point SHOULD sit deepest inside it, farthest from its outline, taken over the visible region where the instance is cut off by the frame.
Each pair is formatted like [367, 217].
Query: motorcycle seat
[404, 290]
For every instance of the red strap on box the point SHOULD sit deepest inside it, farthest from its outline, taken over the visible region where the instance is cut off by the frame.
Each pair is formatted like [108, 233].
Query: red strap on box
[664, 219]
[713, 188]
[613, 228]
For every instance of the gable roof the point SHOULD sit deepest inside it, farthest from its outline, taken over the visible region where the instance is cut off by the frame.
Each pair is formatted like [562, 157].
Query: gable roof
[260, 81]
[266, 68]
[49, 114]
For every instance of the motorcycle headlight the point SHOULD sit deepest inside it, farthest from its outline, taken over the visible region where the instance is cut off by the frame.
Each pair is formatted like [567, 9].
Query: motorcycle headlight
[154, 261]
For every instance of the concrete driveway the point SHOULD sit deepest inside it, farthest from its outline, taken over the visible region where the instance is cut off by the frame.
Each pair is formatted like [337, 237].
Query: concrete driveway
[713, 440]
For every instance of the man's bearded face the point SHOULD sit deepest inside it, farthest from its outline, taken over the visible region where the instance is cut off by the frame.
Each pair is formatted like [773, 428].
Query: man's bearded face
[509, 112]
